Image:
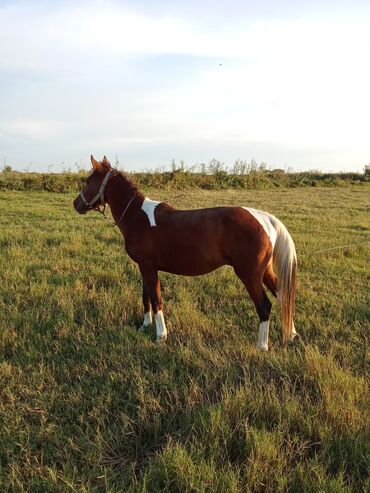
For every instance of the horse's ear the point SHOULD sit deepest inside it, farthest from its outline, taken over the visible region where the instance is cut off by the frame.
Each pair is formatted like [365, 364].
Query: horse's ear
[106, 162]
[95, 163]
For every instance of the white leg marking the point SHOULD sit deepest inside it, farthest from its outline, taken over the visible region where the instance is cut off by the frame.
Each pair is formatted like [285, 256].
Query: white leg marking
[294, 333]
[160, 326]
[147, 321]
[263, 336]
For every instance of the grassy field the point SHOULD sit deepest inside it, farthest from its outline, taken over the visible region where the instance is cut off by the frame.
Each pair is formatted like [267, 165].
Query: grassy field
[87, 404]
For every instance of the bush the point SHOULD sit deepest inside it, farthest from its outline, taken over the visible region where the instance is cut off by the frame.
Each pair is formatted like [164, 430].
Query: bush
[214, 176]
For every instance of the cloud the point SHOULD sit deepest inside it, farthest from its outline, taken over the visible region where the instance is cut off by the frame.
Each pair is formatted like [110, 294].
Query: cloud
[104, 74]
[33, 129]
[37, 38]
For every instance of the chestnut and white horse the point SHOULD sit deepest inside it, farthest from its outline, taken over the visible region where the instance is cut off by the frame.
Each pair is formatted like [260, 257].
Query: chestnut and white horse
[194, 242]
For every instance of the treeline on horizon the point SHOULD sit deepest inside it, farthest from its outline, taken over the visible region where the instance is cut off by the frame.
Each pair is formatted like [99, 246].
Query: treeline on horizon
[212, 176]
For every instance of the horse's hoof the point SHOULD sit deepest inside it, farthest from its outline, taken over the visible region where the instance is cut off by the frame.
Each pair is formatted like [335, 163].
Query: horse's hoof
[161, 339]
[295, 336]
[263, 347]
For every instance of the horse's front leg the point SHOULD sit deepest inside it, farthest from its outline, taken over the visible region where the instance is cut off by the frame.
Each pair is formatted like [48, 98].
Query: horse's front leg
[147, 309]
[152, 288]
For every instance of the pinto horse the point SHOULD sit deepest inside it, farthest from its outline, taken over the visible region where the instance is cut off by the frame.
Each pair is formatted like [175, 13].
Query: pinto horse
[194, 242]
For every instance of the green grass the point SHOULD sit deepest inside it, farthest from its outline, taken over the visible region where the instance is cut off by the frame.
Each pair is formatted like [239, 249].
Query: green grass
[87, 404]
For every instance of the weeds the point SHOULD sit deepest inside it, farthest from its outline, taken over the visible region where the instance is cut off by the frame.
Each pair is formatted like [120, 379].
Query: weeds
[212, 176]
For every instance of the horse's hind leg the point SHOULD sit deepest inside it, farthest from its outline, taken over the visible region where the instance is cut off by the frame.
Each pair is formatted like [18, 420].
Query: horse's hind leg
[253, 284]
[270, 280]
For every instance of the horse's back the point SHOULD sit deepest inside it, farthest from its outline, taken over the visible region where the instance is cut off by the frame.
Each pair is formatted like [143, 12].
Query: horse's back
[233, 221]
[199, 241]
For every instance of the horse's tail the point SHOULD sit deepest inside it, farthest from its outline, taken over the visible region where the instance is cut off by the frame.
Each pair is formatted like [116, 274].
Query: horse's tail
[285, 267]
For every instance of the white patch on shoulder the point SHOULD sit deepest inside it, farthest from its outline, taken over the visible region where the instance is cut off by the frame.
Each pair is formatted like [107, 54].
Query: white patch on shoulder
[149, 207]
[264, 219]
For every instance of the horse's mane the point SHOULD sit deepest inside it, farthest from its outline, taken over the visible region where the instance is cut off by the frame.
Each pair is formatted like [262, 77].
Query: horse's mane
[130, 186]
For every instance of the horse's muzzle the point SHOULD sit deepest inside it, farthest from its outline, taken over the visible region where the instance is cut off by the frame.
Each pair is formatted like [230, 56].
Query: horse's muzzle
[79, 205]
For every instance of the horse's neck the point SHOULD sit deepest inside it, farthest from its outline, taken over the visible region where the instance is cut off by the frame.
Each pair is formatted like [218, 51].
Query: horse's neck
[119, 194]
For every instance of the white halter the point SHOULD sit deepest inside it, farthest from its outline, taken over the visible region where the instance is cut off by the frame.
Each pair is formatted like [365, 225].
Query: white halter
[100, 194]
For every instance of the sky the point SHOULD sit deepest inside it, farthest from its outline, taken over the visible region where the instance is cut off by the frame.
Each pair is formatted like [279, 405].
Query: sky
[282, 82]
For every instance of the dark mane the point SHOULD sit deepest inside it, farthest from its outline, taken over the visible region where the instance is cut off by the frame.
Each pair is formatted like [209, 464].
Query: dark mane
[130, 187]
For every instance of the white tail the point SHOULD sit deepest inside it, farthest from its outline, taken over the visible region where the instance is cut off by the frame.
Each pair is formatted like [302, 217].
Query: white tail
[285, 266]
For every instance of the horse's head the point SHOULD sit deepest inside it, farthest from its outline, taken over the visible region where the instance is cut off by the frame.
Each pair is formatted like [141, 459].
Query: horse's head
[92, 195]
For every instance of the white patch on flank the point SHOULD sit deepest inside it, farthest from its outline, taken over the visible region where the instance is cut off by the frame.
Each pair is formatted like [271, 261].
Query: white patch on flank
[263, 336]
[147, 319]
[149, 207]
[160, 326]
[264, 219]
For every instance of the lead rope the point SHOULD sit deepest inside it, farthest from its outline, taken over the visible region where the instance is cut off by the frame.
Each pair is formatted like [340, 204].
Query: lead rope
[334, 248]
[97, 209]
[124, 212]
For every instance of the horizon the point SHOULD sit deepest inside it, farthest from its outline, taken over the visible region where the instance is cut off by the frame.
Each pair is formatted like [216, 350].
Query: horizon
[149, 82]
[174, 165]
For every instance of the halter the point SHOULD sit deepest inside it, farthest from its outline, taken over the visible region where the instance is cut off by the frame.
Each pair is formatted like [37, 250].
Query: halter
[100, 194]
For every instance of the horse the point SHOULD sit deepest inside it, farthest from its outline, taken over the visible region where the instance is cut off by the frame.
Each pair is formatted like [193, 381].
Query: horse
[159, 237]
